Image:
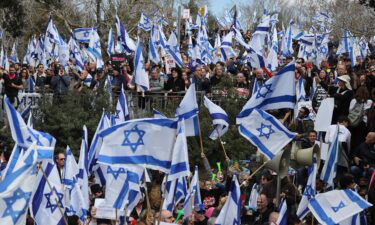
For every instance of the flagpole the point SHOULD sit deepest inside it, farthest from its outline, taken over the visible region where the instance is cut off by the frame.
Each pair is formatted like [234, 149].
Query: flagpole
[200, 134]
[162, 200]
[50, 187]
[116, 216]
[222, 145]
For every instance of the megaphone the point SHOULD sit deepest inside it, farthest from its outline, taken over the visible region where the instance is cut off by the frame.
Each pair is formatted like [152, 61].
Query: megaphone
[279, 164]
[304, 157]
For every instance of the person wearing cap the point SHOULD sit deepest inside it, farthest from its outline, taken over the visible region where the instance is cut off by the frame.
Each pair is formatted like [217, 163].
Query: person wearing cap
[343, 94]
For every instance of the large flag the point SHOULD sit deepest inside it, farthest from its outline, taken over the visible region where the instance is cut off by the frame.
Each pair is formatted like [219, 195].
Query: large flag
[231, 211]
[122, 111]
[16, 189]
[332, 207]
[329, 169]
[266, 132]
[144, 23]
[309, 192]
[261, 35]
[47, 202]
[24, 136]
[76, 54]
[277, 92]
[219, 119]
[188, 111]
[140, 74]
[194, 192]
[95, 50]
[143, 142]
[173, 48]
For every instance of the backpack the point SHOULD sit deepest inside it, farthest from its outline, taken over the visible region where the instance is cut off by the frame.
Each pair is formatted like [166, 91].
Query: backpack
[356, 114]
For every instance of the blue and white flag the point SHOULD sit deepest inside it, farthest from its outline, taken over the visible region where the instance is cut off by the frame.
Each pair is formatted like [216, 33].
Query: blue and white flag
[300, 90]
[283, 214]
[194, 192]
[357, 219]
[287, 42]
[188, 111]
[47, 202]
[345, 43]
[219, 119]
[30, 84]
[25, 136]
[143, 142]
[170, 188]
[181, 190]
[82, 176]
[95, 50]
[127, 44]
[16, 188]
[83, 34]
[14, 55]
[173, 48]
[226, 49]
[329, 169]
[111, 43]
[363, 45]
[309, 192]
[122, 111]
[253, 197]
[276, 93]
[217, 56]
[265, 132]
[231, 211]
[140, 74]
[158, 114]
[74, 200]
[52, 34]
[335, 206]
[64, 53]
[272, 58]
[261, 35]
[76, 54]
[153, 53]
[144, 23]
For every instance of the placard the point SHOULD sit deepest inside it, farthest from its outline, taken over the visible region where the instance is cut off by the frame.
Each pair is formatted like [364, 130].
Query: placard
[104, 211]
[324, 116]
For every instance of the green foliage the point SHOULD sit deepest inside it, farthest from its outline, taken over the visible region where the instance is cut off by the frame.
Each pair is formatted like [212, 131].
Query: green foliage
[14, 16]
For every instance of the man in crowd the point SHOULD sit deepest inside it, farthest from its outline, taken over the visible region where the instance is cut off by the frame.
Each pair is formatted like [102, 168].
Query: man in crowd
[13, 84]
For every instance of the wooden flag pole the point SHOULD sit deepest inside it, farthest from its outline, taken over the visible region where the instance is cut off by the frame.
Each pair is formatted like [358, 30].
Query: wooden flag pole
[200, 134]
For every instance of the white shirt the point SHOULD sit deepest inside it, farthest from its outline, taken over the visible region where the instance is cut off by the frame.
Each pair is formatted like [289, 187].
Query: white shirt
[344, 134]
[367, 105]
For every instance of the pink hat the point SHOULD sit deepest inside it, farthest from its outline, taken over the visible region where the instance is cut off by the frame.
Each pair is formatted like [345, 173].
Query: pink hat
[209, 212]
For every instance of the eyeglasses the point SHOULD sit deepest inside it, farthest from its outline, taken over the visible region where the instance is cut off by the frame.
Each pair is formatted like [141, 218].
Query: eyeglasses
[62, 159]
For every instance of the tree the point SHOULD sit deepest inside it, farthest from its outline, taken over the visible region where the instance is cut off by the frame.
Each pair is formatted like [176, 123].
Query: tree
[12, 15]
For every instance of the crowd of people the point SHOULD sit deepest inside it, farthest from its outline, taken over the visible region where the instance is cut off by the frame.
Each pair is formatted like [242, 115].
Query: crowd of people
[351, 86]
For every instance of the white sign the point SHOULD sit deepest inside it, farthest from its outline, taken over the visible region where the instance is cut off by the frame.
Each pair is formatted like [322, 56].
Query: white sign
[169, 63]
[104, 211]
[324, 115]
[186, 14]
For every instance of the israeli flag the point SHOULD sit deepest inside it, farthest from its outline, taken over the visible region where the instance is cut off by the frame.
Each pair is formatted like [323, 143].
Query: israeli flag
[329, 169]
[122, 111]
[74, 200]
[76, 54]
[87, 81]
[193, 198]
[272, 58]
[30, 84]
[14, 55]
[144, 23]
[300, 90]
[95, 50]
[181, 190]
[169, 203]
[335, 206]
[111, 43]
[226, 49]
[52, 35]
[83, 34]
[217, 54]
[287, 42]
[162, 41]
[261, 34]
[16, 189]
[283, 214]
[345, 43]
[143, 142]
[174, 50]
[219, 119]
[357, 219]
[309, 192]
[47, 202]
[265, 132]
[127, 44]
[64, 53]
[231, 211]
[140, 74]
[153, 53]
[363, 45]
[25, 136]
[82, 176]
[188, 111]
[253, 197]
[276, 93]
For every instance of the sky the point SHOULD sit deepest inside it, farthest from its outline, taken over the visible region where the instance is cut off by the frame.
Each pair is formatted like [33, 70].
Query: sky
[218, 6]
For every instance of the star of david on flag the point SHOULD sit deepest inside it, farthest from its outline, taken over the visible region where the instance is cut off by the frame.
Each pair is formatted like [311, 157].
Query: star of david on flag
[309, 191]
[133, 140]
[335, 206]
[265, 132]
[51, 204]
[115, 173]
